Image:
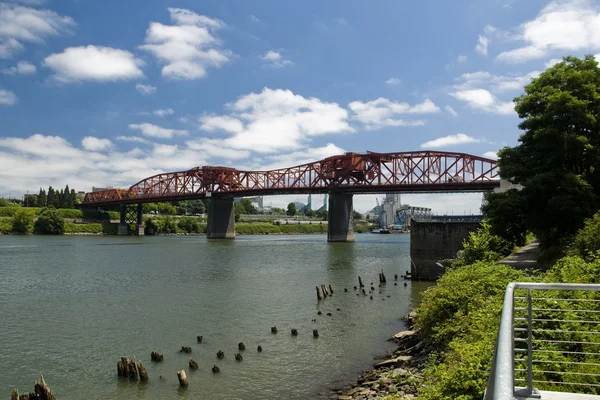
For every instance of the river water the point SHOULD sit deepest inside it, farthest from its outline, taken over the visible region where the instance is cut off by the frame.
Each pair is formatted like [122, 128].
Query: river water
[71, 306]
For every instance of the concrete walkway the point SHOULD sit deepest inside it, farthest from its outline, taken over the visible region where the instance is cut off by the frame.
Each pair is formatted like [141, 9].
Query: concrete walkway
[525, 257]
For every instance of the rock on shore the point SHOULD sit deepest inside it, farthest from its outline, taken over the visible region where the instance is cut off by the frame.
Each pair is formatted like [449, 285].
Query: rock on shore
[397, 377]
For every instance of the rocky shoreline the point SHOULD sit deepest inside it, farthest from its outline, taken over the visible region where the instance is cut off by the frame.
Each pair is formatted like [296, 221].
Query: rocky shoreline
[397, 376]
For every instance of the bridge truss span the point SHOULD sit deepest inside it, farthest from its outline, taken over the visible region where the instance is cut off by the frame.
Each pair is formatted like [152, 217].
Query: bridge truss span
[421, 171]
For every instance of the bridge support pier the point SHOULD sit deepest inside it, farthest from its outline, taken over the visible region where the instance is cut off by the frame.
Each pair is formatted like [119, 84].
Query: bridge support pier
[341, 222]
[221, 218]
[122, 220]
[139, 231]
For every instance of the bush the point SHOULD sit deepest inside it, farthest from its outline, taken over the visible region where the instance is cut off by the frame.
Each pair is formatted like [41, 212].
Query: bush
[3, 202]
[50, 222]
[587, 241]
[70, 213]
[83, 228]
[188, 225]
[483, 246]
[22, 222]
[9, 211]
[5, 225]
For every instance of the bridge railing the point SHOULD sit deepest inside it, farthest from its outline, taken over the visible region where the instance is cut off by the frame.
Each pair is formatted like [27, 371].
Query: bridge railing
[548, 339]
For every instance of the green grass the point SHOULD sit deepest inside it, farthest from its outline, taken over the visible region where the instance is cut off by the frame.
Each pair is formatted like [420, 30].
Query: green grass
[82, 228]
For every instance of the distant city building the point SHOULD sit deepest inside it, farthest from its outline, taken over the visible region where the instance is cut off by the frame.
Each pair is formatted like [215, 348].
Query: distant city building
[100, 189]
[505, 185]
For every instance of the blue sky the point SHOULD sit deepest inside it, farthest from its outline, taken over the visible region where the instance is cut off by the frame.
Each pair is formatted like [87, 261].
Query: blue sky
[107, 93]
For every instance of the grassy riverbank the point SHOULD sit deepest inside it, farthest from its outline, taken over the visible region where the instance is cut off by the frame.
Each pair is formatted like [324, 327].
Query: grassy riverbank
[458, 319]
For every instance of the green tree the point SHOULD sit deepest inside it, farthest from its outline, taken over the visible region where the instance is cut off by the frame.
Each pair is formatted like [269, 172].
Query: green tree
[22, 221]
[149, 208]
[67, 202]
[248, 207]
[4, 202]
[166, 208]
[42, 199]
[558, 155]
[357, 215]
[310, 213]
[50, 222]
[52, 197]
[277, 211]
[291, 209]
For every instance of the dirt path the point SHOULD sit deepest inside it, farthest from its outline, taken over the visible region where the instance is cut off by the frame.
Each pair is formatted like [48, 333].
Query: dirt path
[525, 257]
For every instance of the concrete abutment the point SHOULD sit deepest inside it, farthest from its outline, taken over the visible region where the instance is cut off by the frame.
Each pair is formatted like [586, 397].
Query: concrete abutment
[341, 222]
[221, 218]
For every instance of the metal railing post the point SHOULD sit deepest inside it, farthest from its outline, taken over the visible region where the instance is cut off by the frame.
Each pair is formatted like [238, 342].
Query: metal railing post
[529, 344]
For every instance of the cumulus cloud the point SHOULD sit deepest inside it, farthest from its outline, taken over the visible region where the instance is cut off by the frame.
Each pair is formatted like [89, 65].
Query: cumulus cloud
[134, 139]
[451, 111]
[145, 89]
[481, 99]
[491, 155]
[450, 140]
[275, 120]
[93, 63]
[22, 68]
[19, 24]
[187, 48]
[95, 144]
[163, 112]
[393, 81]
[382, 112]
[461, 59]
[561, 26]
[156, 131]
[274, 59]
[496, 83]
[7, 98]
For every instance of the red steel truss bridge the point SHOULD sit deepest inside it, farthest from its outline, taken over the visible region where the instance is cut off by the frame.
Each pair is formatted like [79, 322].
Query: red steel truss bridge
[418, 171]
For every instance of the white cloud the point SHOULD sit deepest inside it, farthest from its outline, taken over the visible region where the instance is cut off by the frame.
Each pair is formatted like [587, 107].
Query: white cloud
[156, 131]
[134, 139]
[20, 24]
[491, 155]
[461, 59]
[163, 112]
[450, 140]
[482, 45]
[93, 63]
[561, 26]
[274, 59]
[552, 62]
[496, 83]
[92, 143]
[481, 99]
[215, 148]
[451, 111]
[300, 157]
[253, 18]
[275, 120]
[393, 81]
[22, 68]
[213, 123]
[187, 48]
[381, 112]
[145, 89]
[7, 98]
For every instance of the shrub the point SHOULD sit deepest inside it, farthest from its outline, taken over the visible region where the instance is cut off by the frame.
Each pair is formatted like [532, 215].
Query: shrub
[587, 241]
[83, 228]
[22, 222]
[4, 202]
[188, 225]
[483, 246]
[50, 222]
[70, 213]
[5, 225]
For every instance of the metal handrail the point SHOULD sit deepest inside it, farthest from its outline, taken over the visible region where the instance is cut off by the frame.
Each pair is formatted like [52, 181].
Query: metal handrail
[501, 383]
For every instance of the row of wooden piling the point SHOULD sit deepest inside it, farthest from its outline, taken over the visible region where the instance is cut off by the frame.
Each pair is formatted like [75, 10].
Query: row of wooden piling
[41, 391]
[324, 290]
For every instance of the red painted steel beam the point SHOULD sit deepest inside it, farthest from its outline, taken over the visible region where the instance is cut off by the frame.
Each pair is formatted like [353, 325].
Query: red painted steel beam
[419, 171]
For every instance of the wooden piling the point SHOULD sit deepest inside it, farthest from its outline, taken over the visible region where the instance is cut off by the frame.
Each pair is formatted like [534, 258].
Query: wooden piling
[318, 294]
[259, 349]
[185, 349]
[324, 290]
[238, 357]
[142, 371]
[156, 357]
[315, 333]
[383, 278]
[215, 369]
[182, 378]
[294, 332]
[273, 329]
[192, 364]
[330, 288]
[220, 354]
[360, 284]
[14, 395]
[241, 346]
[199, 338]
[127, 368]
[41, 391]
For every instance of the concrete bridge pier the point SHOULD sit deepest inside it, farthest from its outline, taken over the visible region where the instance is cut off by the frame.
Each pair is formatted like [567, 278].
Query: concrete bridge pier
[122, 220]
[221, 218]
[341, 222]
[139, 231]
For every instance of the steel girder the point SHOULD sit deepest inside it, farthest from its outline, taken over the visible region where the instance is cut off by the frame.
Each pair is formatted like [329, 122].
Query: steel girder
[420, 171]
